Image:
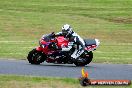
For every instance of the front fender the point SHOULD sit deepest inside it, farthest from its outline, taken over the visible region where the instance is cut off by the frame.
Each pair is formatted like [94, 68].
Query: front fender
[39, 48]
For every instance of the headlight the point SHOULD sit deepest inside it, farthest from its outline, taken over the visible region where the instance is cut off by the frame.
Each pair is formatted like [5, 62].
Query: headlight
[43, 46]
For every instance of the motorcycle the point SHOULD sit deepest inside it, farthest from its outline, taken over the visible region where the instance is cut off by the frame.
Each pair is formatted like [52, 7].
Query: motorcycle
[48, 51]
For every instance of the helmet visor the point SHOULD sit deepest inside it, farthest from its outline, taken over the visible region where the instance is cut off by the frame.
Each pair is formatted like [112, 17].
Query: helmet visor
[64, 32]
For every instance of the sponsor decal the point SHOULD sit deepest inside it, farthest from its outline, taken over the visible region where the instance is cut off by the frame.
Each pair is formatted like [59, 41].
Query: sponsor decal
[85, 80]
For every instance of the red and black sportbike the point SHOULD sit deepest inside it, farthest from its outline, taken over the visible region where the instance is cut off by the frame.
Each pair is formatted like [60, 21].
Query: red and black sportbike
[48, 51]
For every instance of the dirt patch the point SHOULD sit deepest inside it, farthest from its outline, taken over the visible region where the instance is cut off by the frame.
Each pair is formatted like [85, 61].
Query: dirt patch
[121, 20]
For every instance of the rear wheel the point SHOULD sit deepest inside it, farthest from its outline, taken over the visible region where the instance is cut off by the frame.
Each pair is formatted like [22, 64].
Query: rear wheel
[84, 59]
[36, 57]
[89, 57]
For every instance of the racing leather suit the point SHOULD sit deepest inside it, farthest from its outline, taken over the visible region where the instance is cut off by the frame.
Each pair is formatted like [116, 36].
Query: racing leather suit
[74, 39]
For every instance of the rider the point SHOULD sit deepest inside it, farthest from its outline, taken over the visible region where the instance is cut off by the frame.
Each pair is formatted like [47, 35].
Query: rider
[73, 38]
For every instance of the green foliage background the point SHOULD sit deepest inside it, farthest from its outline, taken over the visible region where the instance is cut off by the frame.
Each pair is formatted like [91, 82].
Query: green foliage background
[23, 22]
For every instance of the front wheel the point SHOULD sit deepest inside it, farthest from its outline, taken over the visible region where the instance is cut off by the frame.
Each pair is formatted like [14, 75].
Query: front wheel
[36, 57]
[84, 59]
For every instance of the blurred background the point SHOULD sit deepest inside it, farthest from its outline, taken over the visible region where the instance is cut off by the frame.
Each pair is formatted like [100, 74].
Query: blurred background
[23, 22]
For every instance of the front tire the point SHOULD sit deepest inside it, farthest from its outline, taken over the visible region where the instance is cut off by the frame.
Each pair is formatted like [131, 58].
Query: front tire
[36, 57]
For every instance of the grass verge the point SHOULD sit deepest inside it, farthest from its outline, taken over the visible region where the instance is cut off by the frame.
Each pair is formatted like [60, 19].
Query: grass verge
[10, 81]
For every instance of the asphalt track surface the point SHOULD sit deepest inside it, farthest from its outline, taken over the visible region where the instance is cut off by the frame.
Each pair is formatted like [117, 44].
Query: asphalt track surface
[96, 71]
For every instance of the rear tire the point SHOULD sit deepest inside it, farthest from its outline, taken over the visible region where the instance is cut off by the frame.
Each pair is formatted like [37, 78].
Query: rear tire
[89, 59]
[36, 57]
[85, 60]
[79, 64]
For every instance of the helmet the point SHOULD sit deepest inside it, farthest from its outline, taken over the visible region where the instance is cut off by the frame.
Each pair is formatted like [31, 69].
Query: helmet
[66, 30]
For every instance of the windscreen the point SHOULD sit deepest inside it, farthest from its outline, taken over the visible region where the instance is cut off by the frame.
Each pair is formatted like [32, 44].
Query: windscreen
[47, 37]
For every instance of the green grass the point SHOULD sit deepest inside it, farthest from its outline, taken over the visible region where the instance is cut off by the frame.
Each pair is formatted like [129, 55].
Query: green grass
[23, 22]
[9, 81]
